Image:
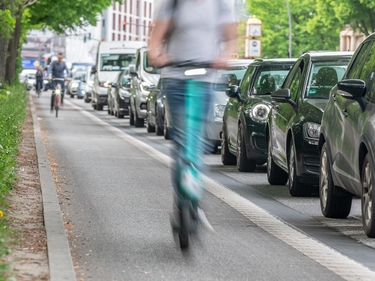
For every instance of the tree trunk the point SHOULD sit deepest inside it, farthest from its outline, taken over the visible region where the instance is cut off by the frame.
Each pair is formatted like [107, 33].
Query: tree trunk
[3, 54]
[14, 43]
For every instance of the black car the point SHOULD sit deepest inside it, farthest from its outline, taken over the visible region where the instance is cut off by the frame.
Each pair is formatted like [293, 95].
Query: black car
[347, 141]
[294, 120]
[245, 114]
[119, 95]
[155, 110]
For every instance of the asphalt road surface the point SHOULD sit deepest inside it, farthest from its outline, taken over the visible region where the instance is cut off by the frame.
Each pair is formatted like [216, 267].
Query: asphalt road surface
[118, 201]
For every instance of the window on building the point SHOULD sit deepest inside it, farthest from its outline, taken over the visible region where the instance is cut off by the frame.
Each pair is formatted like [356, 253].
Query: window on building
[145, 9]
[103, 23]
[137, 27]
[131, 7]
[138, 8]
[119, 37]
[119, 6]
[113, 37]
[150, 9]
[114, 5]
[144, 28]
[113, 21]
[119, 23]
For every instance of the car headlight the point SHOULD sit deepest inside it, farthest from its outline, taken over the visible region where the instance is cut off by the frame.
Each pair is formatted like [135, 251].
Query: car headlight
[124, 94]
[144, 86]
[311, 132]
[259, 112]
[219, 111]
[104, 84]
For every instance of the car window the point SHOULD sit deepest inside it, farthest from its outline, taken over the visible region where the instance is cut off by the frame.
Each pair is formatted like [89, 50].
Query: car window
[269, 78]
[232, 76]
[368, 72]
[323, 76]
[356, 67]
[246, 79]
[115, 62]
[296, 81]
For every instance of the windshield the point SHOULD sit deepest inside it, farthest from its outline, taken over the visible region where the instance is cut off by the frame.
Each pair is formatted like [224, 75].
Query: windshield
[269, 78]
[115, 62]
[80, 67]
[323, 76]
[147, 67]
[31, 76]
[224, 78]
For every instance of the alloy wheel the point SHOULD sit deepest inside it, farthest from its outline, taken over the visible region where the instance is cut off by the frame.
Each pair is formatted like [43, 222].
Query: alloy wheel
[323, 179]
[367, 194]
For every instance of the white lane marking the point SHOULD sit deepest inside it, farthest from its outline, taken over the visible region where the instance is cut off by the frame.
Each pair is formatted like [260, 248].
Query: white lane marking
[338, 263]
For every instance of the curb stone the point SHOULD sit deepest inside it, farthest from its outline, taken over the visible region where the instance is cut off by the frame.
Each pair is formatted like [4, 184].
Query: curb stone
[59, 257]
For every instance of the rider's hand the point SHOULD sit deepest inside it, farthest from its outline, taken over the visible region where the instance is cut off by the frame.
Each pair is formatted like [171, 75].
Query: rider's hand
[159, 60]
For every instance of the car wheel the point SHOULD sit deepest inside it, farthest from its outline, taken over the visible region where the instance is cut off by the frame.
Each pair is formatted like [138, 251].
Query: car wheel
[368, 197]
[94, 106]
[166, 130]
[275, 175]
[109, 109]
[131, 117]
[138, 122]
[158, 128]
[99, 107]
[150, 129]
[332, 206]
[296, 188]
[227, 158]
[243, 163]
[72, 96]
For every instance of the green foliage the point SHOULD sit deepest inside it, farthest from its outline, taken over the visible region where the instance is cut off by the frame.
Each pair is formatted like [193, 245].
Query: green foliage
[12, 115]
[312, 29]
[65, 15]
[7, 23]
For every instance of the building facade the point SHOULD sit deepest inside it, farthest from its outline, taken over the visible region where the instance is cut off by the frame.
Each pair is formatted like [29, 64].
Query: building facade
[130, 21]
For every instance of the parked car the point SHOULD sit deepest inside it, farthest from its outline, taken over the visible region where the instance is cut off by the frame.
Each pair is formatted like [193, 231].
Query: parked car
[347, 141]
[143, 76]
[73, 84]
[294, 120]
[223, 78]
[245, 114]
[88, 83]
[30, 81]
[155, 110]
[119, 95]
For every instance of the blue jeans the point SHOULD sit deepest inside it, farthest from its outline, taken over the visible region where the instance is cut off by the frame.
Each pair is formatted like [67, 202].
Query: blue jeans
[187, 105]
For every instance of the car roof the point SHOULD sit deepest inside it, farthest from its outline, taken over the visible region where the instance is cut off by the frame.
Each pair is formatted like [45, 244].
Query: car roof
[326, 55]
[261, 61]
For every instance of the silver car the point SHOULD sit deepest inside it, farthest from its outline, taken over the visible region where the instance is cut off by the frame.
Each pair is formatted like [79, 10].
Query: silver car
[232, 75]
[143, 76]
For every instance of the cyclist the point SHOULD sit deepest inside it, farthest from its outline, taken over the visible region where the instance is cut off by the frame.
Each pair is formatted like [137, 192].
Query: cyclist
[190, 31]
[57, 68]
[39, 80]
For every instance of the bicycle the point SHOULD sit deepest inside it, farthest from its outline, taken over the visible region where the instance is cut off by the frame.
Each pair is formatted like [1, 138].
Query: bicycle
[38, 88]
[57, 95]
[188, 180]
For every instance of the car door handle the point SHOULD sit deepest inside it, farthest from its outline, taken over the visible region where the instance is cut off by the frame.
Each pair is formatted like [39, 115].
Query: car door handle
[345, 112]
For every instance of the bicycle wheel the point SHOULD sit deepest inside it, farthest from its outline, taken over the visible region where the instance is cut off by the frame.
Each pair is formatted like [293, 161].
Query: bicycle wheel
[183, 234]
[57, 110]
[57, 104]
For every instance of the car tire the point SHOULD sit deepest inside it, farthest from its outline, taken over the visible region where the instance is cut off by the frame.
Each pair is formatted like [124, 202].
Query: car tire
[296, 188]
[159, 130]
[131, 117]
[243, 163]
[94, 106]
[227, 158]
[99, 107]
[332, 206]
[138, 122]
[275, 175]
[368, 197]
[72, 96]
[150, 128]
[166, 132]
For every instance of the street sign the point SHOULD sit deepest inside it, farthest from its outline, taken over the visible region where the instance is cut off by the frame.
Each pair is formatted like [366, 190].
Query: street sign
[254, 48]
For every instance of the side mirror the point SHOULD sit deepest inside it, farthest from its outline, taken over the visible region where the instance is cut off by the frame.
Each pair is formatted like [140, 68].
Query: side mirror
[352, 88]
[93, 69]
[233, 91]
[152, 87]
[114, 85]
[132, 70]
[281, 95]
